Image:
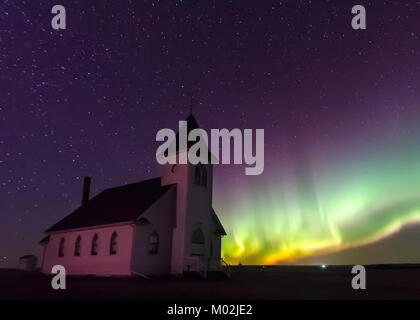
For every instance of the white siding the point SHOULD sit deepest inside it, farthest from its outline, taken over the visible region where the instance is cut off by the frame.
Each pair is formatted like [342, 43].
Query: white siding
[101, 264]
[161, 216]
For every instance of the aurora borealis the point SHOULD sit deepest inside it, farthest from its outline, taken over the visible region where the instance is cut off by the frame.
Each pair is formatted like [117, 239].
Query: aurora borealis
[340, 109]
[325, 214]
[321, 202]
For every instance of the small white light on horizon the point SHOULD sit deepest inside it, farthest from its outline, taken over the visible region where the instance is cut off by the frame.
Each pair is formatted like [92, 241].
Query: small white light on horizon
[323, 266]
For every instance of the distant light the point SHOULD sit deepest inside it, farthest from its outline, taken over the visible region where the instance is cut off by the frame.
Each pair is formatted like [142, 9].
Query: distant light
[323, 266]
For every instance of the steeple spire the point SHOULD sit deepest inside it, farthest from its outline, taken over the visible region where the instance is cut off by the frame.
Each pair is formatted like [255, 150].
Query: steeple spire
[191, 103]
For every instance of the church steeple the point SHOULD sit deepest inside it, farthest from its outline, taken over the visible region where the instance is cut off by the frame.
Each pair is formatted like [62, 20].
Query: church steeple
[191, 105]
[192, 124]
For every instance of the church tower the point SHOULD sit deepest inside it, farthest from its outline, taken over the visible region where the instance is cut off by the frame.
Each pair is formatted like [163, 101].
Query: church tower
[193, 238]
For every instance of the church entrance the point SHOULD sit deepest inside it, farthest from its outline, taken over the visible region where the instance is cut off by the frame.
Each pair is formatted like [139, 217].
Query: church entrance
[196, 261]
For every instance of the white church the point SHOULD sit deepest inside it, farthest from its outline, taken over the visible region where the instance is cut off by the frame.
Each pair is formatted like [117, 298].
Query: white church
[165, 225]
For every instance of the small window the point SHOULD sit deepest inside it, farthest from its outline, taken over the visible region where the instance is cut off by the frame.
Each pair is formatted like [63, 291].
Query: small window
[61, 248]
[94, 249]
[113, 244]
[153, 243]
[197, 237]
[200, 175]
[197, 174]
[203, 177]
[77, 246]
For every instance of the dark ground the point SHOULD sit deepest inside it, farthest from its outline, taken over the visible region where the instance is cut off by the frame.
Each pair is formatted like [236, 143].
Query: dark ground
[279, 282]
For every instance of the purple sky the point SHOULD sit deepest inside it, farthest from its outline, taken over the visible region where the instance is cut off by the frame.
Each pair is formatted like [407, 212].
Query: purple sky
[89, 100]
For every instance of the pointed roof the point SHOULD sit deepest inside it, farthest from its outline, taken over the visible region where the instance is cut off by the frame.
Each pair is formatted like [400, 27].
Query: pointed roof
[220, 230]
[191, 125]
[45, 240]
[114, 205]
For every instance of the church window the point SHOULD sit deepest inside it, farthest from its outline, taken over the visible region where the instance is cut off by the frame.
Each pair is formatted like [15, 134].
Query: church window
[197, 243]
[61, 248]
[153, 243]
[77, 246]
[94, 249]
[197, 174]
[200, 175]
[198, 237]
[113, 244]
[203, 177]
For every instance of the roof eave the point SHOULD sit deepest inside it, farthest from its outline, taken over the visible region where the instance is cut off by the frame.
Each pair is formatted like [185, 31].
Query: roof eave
[108, 225]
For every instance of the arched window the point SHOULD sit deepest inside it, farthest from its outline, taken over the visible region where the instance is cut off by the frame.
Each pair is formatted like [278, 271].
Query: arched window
[77, 246]
[61, 248]
[200, 175]
[203, 177]
[197, 237]
[197, 243]
[197, 174]
[153, 243]
[94, 249]
[113, 244]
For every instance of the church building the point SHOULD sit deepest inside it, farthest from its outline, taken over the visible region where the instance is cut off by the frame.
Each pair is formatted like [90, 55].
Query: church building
[165, 225]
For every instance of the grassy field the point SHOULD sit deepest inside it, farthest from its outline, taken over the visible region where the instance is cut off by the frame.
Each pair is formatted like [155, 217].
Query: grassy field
[247, 282]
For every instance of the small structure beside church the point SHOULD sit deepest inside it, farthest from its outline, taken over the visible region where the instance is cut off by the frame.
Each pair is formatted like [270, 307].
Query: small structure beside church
[28, 262]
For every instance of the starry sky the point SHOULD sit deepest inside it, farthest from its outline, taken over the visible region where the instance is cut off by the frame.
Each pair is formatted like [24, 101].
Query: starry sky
[340, 109]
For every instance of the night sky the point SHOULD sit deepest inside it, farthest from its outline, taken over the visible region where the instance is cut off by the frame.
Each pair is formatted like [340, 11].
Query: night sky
[340, 109]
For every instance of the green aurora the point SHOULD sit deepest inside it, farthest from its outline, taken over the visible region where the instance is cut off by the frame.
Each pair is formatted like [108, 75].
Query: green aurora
[309, 209]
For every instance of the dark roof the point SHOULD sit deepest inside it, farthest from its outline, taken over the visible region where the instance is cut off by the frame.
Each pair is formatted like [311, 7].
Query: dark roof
[220, 230]
[45, 240]
[28, 256]
[120, 204]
